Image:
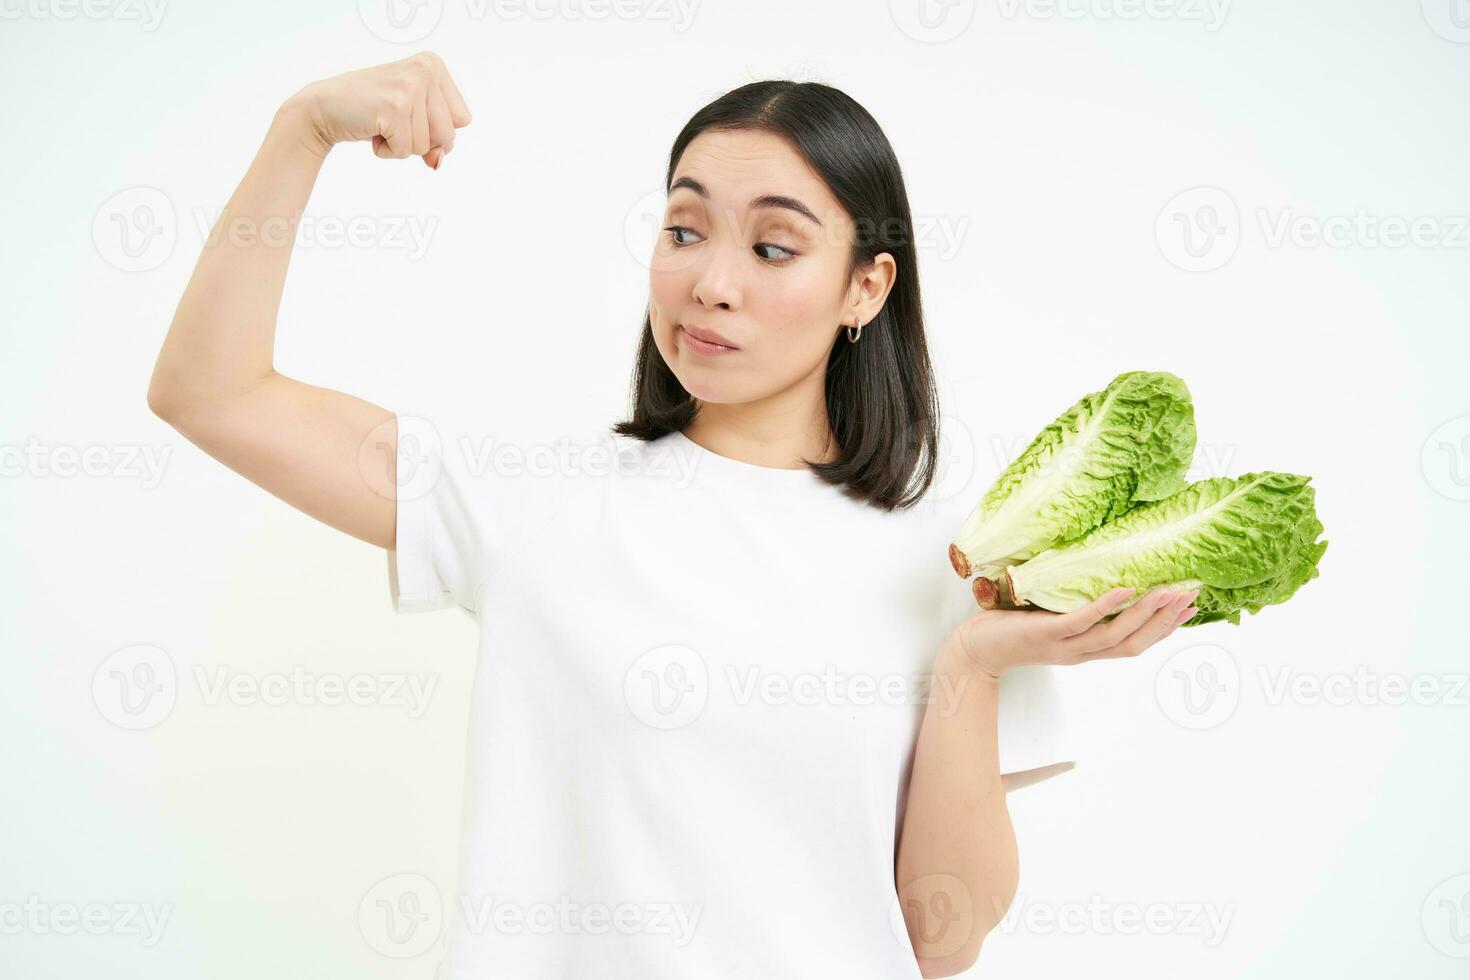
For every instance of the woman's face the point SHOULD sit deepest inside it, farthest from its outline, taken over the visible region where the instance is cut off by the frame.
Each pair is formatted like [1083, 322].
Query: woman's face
[754, 249]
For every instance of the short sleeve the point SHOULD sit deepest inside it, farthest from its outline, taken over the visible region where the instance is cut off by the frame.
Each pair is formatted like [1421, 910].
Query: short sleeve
[444, 517]
[1031, 723]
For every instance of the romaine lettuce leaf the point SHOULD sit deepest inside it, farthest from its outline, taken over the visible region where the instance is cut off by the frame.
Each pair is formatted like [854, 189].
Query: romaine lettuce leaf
[1245, 543]
[1133, 441]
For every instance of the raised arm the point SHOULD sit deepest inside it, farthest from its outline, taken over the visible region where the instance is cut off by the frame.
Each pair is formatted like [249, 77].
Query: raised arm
[325, 452]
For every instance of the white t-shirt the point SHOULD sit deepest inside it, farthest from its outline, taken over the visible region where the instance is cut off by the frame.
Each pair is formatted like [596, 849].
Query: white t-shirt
[699, 686]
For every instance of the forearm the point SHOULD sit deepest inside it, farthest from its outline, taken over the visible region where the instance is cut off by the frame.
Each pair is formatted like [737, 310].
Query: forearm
[221, 341]
[957, 868]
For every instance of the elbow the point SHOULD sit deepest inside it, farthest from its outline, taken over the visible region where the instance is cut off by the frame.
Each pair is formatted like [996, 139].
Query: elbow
[159, 402]
[951, 964]
[163, 400]
[948, 943]
[167, 397]
[950, 957]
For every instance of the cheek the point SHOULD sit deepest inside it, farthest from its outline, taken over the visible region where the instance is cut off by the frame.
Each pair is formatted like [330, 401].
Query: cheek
[803, 310]
[663, 301]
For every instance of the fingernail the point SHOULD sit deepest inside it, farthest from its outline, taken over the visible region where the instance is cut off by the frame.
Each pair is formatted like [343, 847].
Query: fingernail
[1186, 615]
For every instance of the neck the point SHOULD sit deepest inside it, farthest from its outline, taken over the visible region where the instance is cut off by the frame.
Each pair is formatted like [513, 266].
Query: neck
[777, 441]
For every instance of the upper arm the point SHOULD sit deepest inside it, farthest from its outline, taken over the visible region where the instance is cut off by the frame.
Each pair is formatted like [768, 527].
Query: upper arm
[329, 454]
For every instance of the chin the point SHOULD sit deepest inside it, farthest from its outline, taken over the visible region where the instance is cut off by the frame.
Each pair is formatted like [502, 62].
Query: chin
[701, 385]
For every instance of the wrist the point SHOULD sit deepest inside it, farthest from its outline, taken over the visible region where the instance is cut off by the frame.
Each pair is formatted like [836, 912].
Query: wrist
[297, 123]
[955, 660]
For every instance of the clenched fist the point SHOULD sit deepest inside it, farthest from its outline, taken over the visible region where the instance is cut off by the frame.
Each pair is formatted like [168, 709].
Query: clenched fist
[406, 107]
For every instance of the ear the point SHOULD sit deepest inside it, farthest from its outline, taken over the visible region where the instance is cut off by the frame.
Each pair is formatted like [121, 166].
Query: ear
[871, 286]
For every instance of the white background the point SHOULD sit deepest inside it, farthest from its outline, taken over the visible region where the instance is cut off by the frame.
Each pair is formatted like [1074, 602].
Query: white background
[1045, 148]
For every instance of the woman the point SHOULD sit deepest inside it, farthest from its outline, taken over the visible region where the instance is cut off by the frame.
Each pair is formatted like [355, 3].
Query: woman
[732, 714]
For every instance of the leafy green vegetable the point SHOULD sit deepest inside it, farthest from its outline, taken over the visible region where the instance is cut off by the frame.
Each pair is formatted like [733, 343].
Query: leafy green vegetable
[1130, 442]
[1245, 543]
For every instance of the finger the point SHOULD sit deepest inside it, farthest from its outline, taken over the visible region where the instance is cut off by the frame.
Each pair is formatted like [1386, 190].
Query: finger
[397, 134]
[1079, 620]
[419, 120]
[1103, 635]
[1159, 625]
[441, 130]
[459, 112]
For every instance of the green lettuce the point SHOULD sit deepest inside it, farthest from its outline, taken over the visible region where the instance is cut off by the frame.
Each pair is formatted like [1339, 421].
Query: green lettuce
[1132, 441]
[1245, 543]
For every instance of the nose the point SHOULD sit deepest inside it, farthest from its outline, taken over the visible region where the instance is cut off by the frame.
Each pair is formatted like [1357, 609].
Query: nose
[717, 274]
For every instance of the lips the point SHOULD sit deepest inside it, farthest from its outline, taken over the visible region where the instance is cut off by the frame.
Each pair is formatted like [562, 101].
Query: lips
[708, 336]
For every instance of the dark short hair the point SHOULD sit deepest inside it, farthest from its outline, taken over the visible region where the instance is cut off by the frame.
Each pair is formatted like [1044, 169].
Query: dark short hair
[882, 404]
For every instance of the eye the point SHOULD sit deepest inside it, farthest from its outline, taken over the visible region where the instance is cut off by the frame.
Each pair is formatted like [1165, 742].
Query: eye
[674, 231]
[787, 255]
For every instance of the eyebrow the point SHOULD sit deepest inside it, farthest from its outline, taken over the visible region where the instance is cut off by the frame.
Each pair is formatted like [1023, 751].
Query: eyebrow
[764, 201]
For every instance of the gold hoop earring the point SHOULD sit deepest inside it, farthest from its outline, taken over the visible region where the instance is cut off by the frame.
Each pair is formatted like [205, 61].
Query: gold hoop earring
[852, 338]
